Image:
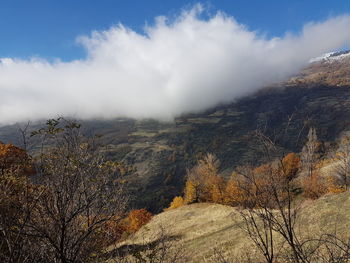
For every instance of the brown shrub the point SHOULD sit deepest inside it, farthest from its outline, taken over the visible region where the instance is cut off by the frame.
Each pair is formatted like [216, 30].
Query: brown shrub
[136, 219]
[314, 186]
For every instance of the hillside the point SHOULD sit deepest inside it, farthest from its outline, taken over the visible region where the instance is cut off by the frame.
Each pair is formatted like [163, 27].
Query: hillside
[205, 228]
[157, 154]
[331, 69]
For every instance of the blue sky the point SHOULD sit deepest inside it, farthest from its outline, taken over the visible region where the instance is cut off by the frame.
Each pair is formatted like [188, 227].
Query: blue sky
[48, 28]
[195, 59]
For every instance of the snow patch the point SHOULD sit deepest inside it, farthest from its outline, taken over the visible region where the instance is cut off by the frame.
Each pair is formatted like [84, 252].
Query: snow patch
[331, 56]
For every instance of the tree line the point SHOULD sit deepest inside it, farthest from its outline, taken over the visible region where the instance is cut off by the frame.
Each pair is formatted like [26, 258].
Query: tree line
[269, 198]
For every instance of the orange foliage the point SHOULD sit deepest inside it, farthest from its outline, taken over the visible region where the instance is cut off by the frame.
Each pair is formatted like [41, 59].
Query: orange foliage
[203, 183]
[290, 165]
[117, 228]
[259, 193]
[216, 188]
[137, 218]
[13, 192]
[253, 187]
[208, 189]
[314, 186]
[14, 159]
[234, 194]
[267, 179]
[111, 232]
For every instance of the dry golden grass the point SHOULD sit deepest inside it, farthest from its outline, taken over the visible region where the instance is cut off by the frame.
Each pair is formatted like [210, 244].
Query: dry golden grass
[204, 227]
[200, 228]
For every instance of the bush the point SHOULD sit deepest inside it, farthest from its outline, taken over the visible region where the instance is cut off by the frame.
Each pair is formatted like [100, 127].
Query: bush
[136, 219]
[314, 186]
[177, 202]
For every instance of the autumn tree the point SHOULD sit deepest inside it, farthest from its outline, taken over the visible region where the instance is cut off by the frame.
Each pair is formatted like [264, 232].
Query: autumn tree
[15, 160]
[178, 201]
[111, 232]
[81, 193]
[137, 218]
[234, 194]
[203, 181]
[192, 190]
[290, 165]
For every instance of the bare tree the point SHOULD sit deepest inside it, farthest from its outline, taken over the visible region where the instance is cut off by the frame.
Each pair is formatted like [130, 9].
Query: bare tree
[342, 167]
[271, 210]
[16, 205]
[309, 152]
[274, 213]
[81, 193]
[62, 217]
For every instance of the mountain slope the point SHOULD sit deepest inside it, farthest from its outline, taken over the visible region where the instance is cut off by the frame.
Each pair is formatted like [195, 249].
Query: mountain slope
[157, 154]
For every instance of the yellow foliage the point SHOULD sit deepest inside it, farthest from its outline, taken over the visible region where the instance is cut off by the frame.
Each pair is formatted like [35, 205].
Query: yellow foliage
[177, 202]
[216, 187]
[191, 192]
[332, 187]
[203, 183]
[208, 189]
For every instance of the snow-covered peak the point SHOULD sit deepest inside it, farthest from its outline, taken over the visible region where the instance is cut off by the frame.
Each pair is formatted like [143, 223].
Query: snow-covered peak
[332, 56]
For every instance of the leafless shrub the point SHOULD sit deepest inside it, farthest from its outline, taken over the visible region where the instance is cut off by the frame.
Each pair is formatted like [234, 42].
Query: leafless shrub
[342, 167]
[270, 221]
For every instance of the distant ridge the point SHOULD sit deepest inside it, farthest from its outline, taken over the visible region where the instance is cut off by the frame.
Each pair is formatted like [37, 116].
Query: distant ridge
[331, 56]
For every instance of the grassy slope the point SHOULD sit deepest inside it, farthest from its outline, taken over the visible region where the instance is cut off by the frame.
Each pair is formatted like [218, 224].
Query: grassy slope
[203, 227]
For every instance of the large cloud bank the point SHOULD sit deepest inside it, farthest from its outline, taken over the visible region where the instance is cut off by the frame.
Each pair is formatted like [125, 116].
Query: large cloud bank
[186, 65]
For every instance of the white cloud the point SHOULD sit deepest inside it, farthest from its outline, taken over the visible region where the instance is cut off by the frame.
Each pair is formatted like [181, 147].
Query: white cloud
[186, 65]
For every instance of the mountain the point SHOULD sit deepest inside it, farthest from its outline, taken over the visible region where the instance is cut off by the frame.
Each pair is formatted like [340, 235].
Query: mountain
[331, 69]
[332, 56]
[155, 155]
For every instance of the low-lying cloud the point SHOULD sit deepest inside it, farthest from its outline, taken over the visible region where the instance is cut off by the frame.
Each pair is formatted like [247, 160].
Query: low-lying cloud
[186, 65]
